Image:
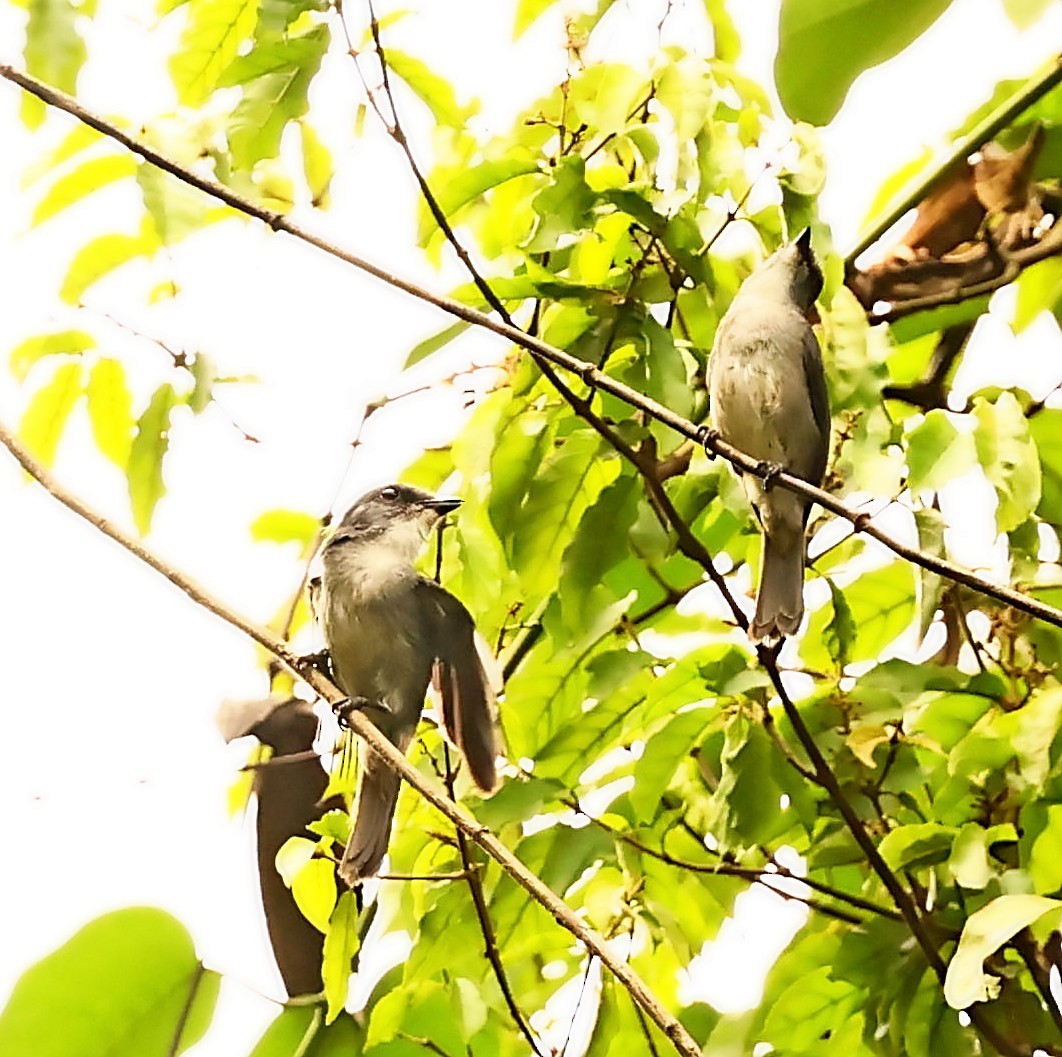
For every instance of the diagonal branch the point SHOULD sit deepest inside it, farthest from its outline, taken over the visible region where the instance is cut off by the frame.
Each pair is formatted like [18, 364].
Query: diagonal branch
[544, 351]
[305, 670]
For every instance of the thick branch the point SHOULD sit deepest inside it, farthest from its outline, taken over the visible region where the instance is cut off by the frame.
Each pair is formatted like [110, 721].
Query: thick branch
[304, 670]
[543, 351]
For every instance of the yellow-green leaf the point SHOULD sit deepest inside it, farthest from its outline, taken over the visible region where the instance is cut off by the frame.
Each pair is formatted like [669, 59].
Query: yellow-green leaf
[314, 890]
[985, 931]
[110, 408]
[54, 51]
[210, 41]
[1009, 458]
[45, 418]
[63, 342]
[341, 943]
[101, 256]
[88, 177]
[144, 469]
[316, 165]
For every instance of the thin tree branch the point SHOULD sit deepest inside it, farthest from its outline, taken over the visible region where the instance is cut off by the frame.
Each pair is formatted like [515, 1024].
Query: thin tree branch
[305, 670]
[544, 352]
[486, 926]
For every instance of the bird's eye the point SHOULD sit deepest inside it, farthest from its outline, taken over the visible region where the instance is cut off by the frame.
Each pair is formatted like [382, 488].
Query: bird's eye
[388, 493]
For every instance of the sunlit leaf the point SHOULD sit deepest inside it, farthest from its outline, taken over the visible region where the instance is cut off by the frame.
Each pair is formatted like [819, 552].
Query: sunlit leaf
[432, 90]
[422, 350]
[211, 40]
[100, 257]
[340, 945]
[985, 931]
[54, 51]
[73, 186]
[63, 342]
[286, 526]
[150, 444]
[110, 408]
[276, 79]
[317, 165]
[46, 415]
[1008, 457]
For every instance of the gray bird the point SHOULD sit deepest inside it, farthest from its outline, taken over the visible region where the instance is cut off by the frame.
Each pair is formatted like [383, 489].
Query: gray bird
[768, 398]
[390, 631]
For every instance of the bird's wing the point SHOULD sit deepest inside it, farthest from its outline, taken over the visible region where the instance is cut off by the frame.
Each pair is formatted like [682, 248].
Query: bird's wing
[820, 402]
[459, 676]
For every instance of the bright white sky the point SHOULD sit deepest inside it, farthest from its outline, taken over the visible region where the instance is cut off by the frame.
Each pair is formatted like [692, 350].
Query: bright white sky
[113, 785]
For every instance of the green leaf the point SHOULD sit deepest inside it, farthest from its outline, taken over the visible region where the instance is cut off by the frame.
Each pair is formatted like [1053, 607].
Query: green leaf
[468, 183]
[937, 451]
[1046, 430]
[664, 752]
[54, 51]
[286, 526]
[110, 409]
[1045, 853]
[422, 350]
[210, 41]
[921, 844]
[341, 943]
[274, 98]
[100, 257]
[434, 91]
[204, 376]
[175, 208]
[276, 80]
[126, 984]
[743, 810]
[968, 861]
[839, 39]
[150, 444]
[556, 500]
[90, 176]
[1039, 290]
[985, 931]
[880, 604]
[63, 343]
[45, 416]
[840, 632]
[930, 586]
[1008, 457]
[300, 1031]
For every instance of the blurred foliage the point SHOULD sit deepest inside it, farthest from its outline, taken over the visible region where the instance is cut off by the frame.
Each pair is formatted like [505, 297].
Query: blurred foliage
[595, 216]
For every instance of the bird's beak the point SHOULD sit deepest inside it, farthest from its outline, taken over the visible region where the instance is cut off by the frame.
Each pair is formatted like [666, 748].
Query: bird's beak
[442, 505]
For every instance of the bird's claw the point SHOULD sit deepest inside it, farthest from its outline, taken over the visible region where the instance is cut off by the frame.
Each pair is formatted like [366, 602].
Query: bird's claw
[770, 472]
[706, 435]
[346, 707]
[321, 661]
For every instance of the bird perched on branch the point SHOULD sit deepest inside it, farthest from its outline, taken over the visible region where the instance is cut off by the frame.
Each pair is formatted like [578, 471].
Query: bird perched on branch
[390, 631]
[768, 398]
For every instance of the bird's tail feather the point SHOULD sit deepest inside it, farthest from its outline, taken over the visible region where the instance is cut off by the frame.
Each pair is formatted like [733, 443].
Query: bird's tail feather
[780, 600]
[374, 810]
